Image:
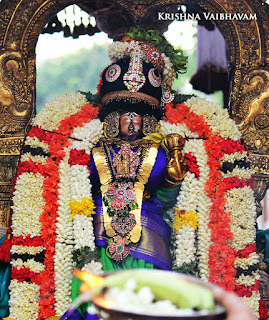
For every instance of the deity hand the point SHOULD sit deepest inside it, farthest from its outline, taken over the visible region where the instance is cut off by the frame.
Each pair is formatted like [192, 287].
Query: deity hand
[176, 166]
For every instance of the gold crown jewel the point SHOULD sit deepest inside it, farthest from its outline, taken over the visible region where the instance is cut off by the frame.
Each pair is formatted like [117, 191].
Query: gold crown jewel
[152, 47]
[134, 78]
[153, 54]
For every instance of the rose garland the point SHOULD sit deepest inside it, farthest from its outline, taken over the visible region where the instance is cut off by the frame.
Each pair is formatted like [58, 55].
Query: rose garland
[219, 177]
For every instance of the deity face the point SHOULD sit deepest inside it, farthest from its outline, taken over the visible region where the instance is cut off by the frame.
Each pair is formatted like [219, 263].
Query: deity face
[130, 125]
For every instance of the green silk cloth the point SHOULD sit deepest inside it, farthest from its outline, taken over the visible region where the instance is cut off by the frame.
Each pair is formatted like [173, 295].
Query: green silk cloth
[5, 275]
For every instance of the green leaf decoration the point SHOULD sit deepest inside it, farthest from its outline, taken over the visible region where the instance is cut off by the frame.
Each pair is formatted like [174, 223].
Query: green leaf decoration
[158, 40]
[180, 98]
[93, 99]
[84, 255]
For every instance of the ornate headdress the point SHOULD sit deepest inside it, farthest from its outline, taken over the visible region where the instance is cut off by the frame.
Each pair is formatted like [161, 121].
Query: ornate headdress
[141, 75]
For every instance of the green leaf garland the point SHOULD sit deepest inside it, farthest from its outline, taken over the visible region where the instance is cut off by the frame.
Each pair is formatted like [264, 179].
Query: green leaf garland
[175, 55]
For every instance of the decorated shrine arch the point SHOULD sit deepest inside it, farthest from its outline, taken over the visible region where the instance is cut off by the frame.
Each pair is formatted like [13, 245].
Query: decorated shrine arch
[22, 21]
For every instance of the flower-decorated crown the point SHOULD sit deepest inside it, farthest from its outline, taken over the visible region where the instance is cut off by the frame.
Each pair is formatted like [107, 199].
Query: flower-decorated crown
[141, 75]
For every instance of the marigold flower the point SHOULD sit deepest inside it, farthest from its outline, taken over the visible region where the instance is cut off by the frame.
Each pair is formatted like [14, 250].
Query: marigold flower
[188, 218]
[85, 206]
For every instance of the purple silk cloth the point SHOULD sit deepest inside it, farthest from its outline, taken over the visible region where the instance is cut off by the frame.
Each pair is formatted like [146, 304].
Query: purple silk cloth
[75, 315]
[153, 246]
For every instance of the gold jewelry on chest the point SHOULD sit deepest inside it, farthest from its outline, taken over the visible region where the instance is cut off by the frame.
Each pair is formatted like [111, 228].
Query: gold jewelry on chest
[123, 178]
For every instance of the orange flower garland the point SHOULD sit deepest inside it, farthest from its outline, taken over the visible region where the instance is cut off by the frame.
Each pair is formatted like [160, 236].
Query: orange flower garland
[57, 141]
[221, 254]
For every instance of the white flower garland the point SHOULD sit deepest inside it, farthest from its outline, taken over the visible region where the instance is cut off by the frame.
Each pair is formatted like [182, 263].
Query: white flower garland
[83, 232]
[248, 280]
[179, 128]
[63, 264]
[240, 173]
[240, 203]
[185, 245]
[37, 159]
[90, 134]
[193, 197]
[26, 208]
[244, 263]
[50, 117]
[233, 157]
[34, 142]
[80, 182]
[23, 300]
[217, 118]
[81, 188]
[33, 265]
[26, 249]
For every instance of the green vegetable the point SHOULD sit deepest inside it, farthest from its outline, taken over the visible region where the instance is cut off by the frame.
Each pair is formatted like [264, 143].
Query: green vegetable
[165, 286]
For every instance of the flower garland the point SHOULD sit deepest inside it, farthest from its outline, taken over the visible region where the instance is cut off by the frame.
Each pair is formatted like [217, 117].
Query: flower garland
[185, 224]
[50, 118]
[202, 204]
[78, 206]
[46, 225]
[27, 243]
[63, 265]
[217, 188]
[219, 194]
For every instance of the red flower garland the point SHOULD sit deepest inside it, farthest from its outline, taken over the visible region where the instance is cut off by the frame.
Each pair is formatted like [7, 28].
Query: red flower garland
[25, 274]
[235, 182]
[27, 241]
[85, 115]
[183, 114]
[48, 233]
[41, 134]
[79, 157]
[263, 310]
[30, 166]
[192, 164]
[244, 253]
[247, 291]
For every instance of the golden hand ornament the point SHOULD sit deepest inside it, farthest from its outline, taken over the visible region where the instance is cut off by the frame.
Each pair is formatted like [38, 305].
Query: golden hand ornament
[176, 166]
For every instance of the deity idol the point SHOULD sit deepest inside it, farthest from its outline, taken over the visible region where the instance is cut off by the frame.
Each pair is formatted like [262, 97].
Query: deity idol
[140, 179]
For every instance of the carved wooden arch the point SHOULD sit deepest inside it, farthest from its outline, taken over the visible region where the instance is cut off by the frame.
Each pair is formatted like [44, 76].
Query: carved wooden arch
[23, 20]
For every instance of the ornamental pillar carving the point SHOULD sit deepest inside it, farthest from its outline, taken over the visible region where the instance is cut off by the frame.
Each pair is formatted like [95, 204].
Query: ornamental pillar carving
[8, 166]
[251, 112]
[17, 94]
